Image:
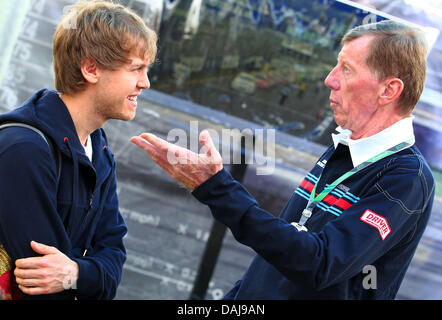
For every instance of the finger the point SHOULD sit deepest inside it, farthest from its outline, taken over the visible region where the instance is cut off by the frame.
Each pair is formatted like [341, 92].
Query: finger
[31, 263]
[147, 147]
[32, 282]
[154, 151]
[34, 290]
[150, 137]
[42, 248]
[155, 141]
[162, 146]
[162, 151]
[27, 273]
[142, 143]
[139, 141]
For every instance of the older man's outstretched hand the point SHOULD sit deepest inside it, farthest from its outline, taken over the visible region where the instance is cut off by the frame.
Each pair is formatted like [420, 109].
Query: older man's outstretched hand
[188, 168]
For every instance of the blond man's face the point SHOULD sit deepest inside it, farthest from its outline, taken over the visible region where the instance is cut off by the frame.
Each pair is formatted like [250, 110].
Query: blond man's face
[118, 90]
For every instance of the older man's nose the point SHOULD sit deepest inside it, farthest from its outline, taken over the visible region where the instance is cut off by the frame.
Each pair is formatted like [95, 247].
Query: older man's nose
[332, 81]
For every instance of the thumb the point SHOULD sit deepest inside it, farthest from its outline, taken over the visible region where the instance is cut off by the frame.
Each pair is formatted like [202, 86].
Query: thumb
[206, 140]
[209, 149]
[42, 248]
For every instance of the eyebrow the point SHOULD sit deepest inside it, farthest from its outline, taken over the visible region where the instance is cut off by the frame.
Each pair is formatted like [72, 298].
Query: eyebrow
[138, 65]
[345, 61]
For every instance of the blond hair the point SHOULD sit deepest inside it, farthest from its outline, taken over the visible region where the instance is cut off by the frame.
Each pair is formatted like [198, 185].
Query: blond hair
[101, 30]
[397, 50]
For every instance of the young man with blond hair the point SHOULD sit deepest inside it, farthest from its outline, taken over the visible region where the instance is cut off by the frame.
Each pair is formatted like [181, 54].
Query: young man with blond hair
[62, 231]
[350, 229]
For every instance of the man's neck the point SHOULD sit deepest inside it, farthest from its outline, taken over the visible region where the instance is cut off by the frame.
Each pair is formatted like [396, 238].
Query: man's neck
[377, 124]
[79, 106]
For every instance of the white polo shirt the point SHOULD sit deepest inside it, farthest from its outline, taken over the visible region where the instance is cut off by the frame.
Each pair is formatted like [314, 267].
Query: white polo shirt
[365, 148]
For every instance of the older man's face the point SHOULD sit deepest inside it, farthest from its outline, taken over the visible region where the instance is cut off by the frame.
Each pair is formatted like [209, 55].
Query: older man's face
[354, 87]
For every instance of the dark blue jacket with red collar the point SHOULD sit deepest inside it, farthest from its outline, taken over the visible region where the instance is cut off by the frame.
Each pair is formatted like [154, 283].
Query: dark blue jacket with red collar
[81, 215]
[361, 237]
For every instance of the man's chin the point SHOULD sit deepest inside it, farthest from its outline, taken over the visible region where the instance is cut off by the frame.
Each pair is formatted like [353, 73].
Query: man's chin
[127, 117]
[339, 123]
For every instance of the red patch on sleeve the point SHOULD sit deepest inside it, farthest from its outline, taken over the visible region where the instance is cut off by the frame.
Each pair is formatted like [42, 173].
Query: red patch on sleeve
[377, 221]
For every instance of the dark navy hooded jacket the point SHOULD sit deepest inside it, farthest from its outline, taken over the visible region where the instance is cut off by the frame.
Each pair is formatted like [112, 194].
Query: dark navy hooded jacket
[368, 226]
[81, 215]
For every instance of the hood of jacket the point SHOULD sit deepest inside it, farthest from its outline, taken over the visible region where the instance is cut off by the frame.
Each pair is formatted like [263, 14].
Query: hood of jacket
[47, 112]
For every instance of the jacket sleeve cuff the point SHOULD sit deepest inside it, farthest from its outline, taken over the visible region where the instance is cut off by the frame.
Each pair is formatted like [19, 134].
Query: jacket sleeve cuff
[88, 274]
[227, 198]
[203, 191]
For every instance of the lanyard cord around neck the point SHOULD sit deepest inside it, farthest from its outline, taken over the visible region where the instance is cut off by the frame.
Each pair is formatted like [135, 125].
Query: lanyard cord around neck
[313, 200]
